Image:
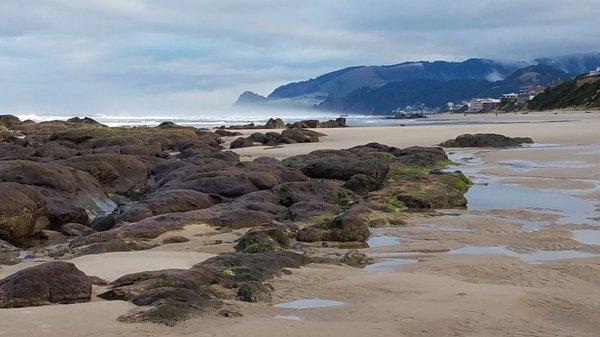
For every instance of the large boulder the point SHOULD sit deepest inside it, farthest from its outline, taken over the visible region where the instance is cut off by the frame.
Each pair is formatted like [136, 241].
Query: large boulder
[486, 140]
[350, 226]
[275, 123]
[174, 295]
[23, 212]
[84, 120]
[341, 165]
[122, 174]
[266, 239]
[9, 121]
[302, 135]
[241, 142]
[51, 282]
[169, 201]
[70, 194]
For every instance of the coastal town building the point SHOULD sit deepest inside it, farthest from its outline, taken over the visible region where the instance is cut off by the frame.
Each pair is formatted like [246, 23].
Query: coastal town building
[594, 72]
[483, 105]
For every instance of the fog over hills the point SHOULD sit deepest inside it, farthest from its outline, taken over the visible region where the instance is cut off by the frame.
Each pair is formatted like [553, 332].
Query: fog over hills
[381, 89]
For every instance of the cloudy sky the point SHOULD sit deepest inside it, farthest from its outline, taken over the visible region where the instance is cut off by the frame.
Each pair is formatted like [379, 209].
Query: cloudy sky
[194, 57]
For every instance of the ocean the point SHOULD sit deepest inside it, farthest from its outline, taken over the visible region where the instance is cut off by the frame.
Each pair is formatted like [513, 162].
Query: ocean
[209, 122]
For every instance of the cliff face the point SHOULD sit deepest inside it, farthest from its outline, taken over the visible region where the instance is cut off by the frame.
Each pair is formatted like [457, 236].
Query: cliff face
[580, 92]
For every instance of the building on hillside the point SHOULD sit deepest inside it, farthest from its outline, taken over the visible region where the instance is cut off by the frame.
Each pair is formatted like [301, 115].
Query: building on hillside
[594, 72]
[510, 97]
[483, 105]
[527, 93]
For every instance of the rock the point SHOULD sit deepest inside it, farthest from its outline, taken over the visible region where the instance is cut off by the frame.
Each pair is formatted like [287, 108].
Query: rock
[486, 140]
[68, 192]
[171, 296]
[265, 239]
[51, 282]
[118, 173]
[260, 138]
[103, 223]
[175, 239]
[276, 123]
[226, 133]
[75, 229]
[302, 135]
[334, 123]
[167, 201]
[9, 254]
[420, 156]
[97, 281]
[53, 237]
[9, 121]
[254, 292]
[85, 120]
[168, 125]
[356, 258]
[241, 142]
[430, 191]
[361, 184]
[314, 123]
[23, 212]
[352, 225]
[308, 210]
[341, 165]
[116, 245]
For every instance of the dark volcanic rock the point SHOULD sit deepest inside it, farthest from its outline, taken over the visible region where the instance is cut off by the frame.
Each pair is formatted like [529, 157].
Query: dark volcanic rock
[352, 225]
[227, 133]
[276, 123]
[302, 135]
[9, 121]
[51, 282]
[22, 212]
[342, 165]
[486, 140]
[241, 142]
[266, 239]
[172, 296]
[169, 201]
[356, 258]
[420, 156]
[84, 120]
[75, 229]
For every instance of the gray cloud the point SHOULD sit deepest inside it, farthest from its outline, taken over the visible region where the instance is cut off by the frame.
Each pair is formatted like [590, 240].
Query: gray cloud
[176, 56]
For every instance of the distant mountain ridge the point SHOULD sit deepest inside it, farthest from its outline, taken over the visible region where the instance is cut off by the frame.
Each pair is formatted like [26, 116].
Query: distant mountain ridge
[381, 89]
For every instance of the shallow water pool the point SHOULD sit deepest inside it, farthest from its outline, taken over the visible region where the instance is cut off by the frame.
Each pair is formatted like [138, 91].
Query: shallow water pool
[497, 196]
[539, 256]
[309, 303]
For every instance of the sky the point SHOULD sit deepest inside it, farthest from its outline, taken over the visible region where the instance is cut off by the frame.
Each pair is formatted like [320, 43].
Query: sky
[165, 57]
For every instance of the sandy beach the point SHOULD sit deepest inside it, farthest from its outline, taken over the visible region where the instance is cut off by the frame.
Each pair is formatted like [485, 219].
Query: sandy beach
[522, 260]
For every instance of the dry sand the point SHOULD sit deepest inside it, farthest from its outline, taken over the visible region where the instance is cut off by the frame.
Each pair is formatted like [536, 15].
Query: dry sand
[443, 294]
[547, 128]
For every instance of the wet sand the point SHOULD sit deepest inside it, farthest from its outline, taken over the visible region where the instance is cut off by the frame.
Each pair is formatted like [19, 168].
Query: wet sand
[499, 270]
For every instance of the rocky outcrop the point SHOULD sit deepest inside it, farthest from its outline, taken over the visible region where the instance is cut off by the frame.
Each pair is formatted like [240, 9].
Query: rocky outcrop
[272, 123]
[9, 121]
[171, 296]
[51, 282]
[486, 140]
[352, 225]
[241, 142]
[289, 136]
[84, 120]
[272, 238]
[168, 201]
[315, 123]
